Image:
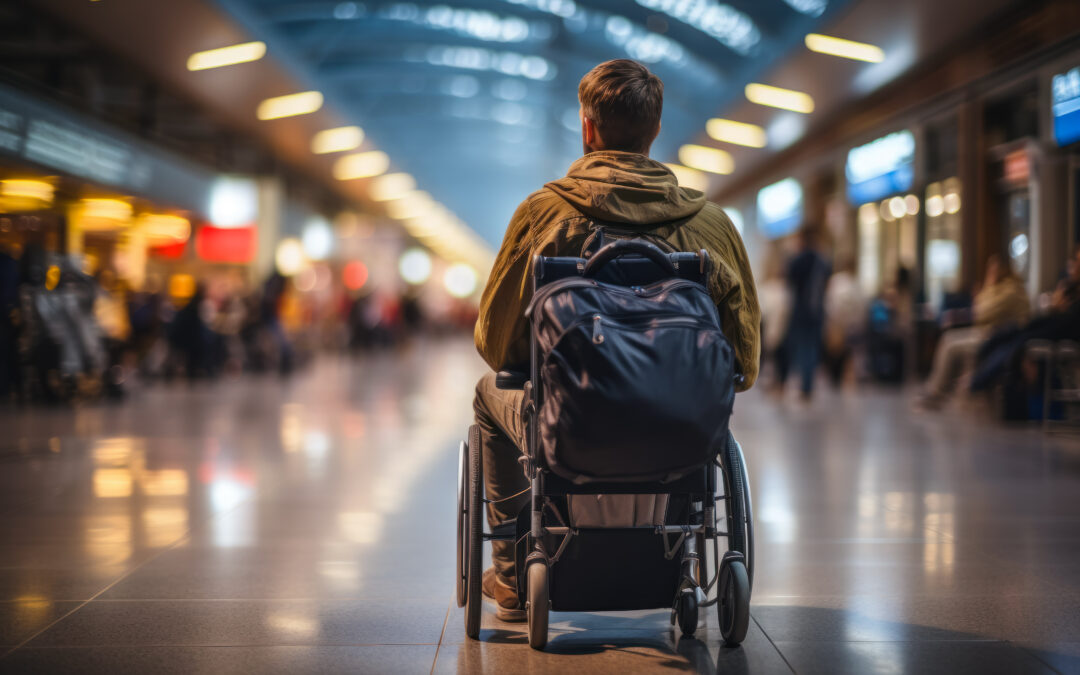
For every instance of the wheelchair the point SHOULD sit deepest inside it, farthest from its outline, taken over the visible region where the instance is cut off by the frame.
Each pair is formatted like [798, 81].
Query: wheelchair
[564, 566]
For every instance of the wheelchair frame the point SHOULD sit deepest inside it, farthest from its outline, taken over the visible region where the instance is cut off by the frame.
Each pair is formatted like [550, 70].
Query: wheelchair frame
[733, 571]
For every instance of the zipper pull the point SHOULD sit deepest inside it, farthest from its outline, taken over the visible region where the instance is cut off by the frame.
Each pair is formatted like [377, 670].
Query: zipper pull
[597, 336]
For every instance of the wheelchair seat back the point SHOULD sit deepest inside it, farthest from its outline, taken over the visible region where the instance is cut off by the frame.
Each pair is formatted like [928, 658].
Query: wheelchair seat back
[633, 378]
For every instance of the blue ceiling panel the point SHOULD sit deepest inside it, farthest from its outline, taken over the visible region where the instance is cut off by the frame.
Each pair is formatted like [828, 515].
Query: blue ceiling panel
[478, 99]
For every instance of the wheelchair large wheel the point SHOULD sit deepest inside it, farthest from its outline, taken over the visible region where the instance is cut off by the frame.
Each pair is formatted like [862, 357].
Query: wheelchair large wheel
[462, 566]
[538, 604]
[740, 526]
[733, 601]
[474, 535]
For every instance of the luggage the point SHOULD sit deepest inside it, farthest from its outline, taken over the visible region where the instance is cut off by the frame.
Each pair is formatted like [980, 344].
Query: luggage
[639, 381]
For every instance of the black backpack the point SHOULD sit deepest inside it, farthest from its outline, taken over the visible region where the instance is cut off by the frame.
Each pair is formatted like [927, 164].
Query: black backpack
[638, 380]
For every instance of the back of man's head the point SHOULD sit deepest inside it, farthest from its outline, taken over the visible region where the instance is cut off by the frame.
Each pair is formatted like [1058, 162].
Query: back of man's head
[624, 101]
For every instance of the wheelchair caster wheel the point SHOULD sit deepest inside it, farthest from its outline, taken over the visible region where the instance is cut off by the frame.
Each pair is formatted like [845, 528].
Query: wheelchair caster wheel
[688, 613]
[733, 601]
[538, 605]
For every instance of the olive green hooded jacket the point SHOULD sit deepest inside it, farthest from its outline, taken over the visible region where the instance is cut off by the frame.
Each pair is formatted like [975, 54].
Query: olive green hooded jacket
[625, 191]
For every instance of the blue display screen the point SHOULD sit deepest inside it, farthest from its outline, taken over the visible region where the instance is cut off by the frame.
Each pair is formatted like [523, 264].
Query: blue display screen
[881, 168]
[780, 208]
[1065, 89]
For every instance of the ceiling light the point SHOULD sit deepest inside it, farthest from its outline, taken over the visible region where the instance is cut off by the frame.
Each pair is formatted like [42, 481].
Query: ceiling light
[392, 186]
[935, 206]
[226, 56]
[690, 178]
[897, 207]
[317, 239]
[37, 190]
[415, 266]
[361, 165]
[291, 104]
[412, 205]
[775, 97]
[164, 227]
[337, 140]
[234, 202]
[739, 133]
[706, 159]
[911, 203]
[289, 257]
[460, 280]
[106, 209]
[845, 49]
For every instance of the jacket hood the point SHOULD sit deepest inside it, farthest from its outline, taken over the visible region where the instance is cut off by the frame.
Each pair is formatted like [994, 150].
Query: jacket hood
[628, 188]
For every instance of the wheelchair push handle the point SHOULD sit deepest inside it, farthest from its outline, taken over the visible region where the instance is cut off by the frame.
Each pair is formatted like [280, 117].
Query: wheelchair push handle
[621, 247]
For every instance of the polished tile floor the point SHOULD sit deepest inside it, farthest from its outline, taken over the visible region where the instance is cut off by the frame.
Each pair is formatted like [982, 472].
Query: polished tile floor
[306, 525]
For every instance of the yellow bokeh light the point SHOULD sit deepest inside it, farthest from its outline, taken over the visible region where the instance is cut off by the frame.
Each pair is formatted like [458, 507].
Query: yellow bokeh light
[708, 159]
[289, 105]
[226, 56]
[776, 97]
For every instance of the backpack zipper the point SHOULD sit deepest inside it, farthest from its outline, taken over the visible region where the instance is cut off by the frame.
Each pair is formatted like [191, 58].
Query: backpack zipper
[639, 291]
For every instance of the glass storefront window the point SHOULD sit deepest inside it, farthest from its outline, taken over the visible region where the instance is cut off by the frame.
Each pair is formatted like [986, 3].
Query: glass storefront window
[943, 251]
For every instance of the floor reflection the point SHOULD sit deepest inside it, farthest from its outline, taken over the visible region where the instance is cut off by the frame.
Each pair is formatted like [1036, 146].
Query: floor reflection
[314, 514]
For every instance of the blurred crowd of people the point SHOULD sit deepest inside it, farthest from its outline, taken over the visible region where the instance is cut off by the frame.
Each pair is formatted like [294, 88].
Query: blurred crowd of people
[815, 316]
[66, 335]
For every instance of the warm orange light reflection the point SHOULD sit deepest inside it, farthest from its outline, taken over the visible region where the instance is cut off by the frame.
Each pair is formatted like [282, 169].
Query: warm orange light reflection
[112, 483]
[164, 483]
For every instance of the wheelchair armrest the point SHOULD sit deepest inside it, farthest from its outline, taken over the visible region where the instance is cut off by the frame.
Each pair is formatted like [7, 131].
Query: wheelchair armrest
[511, 379]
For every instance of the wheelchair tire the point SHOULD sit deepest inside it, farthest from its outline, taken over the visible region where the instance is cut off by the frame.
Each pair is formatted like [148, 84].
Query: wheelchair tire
[737, 494]
[538, 604]
[462, 566]
[688, 614]
[475, 520]
[733, 602]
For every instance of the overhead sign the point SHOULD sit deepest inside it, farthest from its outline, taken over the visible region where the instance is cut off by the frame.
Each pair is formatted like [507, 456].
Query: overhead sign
[41, 133]
[780, 208]
[881, 168]
[1065, 88]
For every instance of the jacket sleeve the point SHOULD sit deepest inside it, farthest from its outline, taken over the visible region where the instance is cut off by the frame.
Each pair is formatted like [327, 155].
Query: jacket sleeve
[740, 313]
[502, 333]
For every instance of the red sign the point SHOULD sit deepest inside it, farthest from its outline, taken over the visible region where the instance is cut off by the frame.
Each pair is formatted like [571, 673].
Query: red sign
[225, 245]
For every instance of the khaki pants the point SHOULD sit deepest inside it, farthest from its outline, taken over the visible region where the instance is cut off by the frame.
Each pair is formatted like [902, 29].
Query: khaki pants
[955, 355]
[502, 438]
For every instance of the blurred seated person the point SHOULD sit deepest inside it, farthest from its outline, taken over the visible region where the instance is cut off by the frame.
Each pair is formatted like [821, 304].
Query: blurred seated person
[615, 183]
[1002, 302]
[1001, 358]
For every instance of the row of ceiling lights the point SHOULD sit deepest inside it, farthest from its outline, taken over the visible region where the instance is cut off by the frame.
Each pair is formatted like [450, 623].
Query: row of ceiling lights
[425, 219]
[698, 158]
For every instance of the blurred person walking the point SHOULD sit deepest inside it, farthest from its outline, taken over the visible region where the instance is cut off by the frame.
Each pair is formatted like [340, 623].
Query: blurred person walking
[845, 320]
[775, 301]
[807, 275]
[1001, 302]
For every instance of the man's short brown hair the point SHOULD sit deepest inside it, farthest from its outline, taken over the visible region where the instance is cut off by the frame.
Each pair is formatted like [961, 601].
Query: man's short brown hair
[624, 100]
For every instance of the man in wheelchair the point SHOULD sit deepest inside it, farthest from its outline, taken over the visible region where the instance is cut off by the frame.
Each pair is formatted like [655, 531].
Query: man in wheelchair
[617, 187]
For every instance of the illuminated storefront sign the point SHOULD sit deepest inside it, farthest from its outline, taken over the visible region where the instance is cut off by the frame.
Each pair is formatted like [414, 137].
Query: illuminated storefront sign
[1066, 107]
[780, 208]
[881, 168]
[44, 134]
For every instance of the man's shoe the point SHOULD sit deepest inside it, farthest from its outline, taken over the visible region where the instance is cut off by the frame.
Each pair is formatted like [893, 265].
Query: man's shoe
[504, 596]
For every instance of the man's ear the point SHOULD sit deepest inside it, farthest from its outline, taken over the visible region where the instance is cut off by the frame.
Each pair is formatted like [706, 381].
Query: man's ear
[588, 131]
